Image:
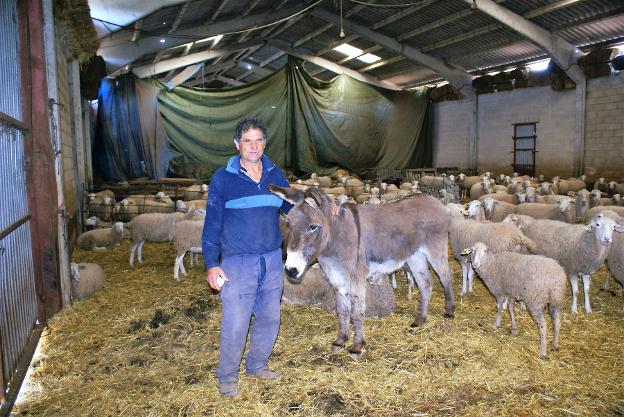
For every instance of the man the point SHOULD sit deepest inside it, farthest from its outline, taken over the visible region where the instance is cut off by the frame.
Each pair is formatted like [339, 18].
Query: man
[241, 244]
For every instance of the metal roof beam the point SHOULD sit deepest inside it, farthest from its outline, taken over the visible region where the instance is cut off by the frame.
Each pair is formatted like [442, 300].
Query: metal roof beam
[562, 52]
[252, 5]
[169, 64]
[118, 51]
[218, 11]
[230, 81]
[183, 76]
[455, 76]
[338, 69]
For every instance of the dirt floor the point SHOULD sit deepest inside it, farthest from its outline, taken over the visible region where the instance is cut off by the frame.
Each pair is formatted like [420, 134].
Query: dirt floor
[147, 346]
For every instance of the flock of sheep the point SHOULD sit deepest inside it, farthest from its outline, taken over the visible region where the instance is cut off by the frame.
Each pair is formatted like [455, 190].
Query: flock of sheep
[525, 237]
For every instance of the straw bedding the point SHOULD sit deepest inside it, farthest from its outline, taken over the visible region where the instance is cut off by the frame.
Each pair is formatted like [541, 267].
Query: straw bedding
[148, 346]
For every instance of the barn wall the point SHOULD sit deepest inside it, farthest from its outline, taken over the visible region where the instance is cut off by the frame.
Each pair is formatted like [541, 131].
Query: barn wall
[555, 113]
[604, 126]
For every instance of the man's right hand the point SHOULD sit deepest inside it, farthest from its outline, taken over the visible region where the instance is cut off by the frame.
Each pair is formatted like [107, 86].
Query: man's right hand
[213, 275]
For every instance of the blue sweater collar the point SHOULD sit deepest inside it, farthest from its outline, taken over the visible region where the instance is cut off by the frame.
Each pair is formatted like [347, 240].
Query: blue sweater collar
[234, 166]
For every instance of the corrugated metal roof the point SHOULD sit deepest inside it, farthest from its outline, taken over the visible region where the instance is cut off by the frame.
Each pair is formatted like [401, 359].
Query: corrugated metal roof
[446, 29]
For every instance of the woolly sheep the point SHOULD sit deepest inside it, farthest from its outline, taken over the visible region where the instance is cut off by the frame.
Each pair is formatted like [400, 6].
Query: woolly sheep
[101, 204]
[153, 227]
[538, 280]
[186, 237]
[86, 279]
[474, 210]
[601, 185]
[196, 192]
[101, 238]
[564, 211]
[480, 188]
[185, 205]
[496, 211]
[432, 182]
[499, 196]
[464, 233]
[315, 289]
[615, 259]
[596, 199]
[582, 203]
[581, 250]
[519, 220]
[601, 209]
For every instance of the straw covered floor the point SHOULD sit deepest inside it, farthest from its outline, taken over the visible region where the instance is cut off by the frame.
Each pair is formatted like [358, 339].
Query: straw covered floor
[148, 346]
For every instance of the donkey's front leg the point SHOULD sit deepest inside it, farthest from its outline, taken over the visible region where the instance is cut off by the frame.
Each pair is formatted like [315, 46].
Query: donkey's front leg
[343, 309]
[358, 310]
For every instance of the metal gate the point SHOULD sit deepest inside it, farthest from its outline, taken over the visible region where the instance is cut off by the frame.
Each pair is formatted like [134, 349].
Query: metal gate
[524, 148]
[19, 330]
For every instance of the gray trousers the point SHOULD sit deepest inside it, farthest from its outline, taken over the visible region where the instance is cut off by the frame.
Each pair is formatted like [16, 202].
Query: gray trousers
[254, 288]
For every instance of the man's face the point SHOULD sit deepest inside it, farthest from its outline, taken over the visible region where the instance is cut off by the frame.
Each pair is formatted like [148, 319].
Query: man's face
[251, 145]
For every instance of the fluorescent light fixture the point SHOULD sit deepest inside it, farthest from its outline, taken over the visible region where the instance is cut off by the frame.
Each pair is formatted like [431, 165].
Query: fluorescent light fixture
[538, 65]
[492, 73]
[272, 107]
[348, 50]
[162, 40]
[248, 67]
[369, 58]
[510, 69]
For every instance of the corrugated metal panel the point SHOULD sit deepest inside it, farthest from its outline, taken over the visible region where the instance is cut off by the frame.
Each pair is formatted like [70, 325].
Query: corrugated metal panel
[10, 101]
[12, 177]
[18, 304]
[575, 12]
[600, 31]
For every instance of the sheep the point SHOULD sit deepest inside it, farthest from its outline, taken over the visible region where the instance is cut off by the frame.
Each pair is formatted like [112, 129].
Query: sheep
[615, 259]
[601, 209]
[520, 198]
[153, 227]
[101, 204]
[185, 205]
[186, 236]
[581, 250]
[496, 211]
[499, 196]
[196, 192]
[446, 197]
[86, 279]
[406, 186]
[582, 203]
[432, 182]
[463, 233]
[474, 210]
[519, 220]
[315, 289]
[576, 184]
[480, 188]
[95, 222]
[335, 190]
[554, 199]
[101, 238]
[596, 199]
[564, 211]
[538, 280]
[618, 200]
[601, 185]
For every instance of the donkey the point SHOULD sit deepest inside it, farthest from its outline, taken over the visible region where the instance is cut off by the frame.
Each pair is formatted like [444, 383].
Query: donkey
[364, 241]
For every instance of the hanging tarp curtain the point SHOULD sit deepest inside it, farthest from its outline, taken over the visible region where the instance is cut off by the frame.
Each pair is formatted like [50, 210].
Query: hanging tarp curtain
[313, 125]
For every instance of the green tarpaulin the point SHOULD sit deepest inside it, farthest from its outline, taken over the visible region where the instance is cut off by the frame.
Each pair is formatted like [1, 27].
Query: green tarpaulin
[313, 125]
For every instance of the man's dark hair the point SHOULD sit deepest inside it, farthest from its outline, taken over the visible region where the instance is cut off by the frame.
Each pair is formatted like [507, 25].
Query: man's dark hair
[246, 123]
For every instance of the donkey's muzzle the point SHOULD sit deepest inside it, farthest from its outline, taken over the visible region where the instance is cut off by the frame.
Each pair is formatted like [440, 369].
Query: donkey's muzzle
[292, 273]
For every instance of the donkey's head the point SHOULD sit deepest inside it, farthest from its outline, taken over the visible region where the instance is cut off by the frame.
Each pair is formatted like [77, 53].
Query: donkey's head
[308, 222]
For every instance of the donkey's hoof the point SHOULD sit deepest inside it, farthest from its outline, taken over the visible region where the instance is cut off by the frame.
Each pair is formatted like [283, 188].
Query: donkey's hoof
[335, 347]
[418, 321]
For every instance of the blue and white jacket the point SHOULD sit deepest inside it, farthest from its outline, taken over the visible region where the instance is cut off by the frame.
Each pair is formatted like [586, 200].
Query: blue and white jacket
[242, 216]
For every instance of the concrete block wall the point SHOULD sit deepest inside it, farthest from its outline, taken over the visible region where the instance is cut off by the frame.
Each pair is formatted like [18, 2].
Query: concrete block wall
[604, 127]
[554, 112]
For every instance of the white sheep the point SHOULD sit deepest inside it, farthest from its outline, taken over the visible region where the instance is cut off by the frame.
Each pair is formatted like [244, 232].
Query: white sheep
[601, 209]
[499, 196]
[615, 259]
[196, 192]
[186, 237]
[538, 280]
[564, 211]
[464, 233]
[186, 205]
[581, 250]
[153, 227]
[86, 279]
[101, 238]
[480, 188]
[101, 204]
[496, 211]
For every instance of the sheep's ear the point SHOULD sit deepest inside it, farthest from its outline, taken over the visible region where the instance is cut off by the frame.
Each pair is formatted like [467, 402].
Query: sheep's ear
[618, 228]
[466, 252]
[589, 227]
[289, 194]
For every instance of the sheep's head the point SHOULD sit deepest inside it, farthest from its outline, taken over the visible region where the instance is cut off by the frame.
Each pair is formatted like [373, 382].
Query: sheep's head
[118, 227]
[91, 221]
[476, 253]
[520, 198]
[204, 188]
[474, 209]
[309, 224]
[75, 272]
[181, 206]
[603, 228]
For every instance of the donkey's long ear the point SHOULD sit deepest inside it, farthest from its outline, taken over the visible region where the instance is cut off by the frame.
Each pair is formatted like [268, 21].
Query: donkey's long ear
[313, 198]
[289, 194]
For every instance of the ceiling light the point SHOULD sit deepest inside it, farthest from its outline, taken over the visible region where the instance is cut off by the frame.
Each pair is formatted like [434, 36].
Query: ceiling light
[272, 107]
[492, 73]
[510, 69]
[350, 51]
[248, 67]
[538, 65]
[162, 40]
[369, 58]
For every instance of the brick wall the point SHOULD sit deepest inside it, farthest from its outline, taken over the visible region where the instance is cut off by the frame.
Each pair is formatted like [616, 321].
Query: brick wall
[604, 126]
[554, 112]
